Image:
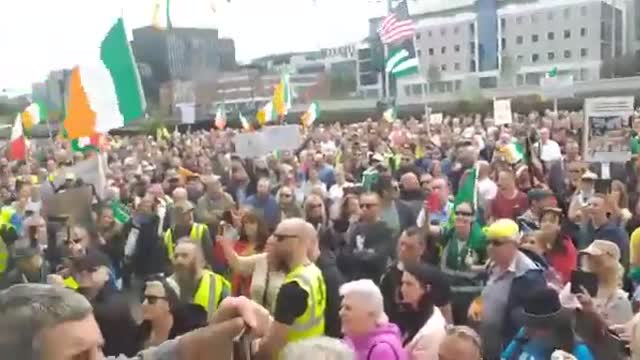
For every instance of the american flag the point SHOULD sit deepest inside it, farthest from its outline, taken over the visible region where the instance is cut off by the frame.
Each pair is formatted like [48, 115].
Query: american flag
[393, 30]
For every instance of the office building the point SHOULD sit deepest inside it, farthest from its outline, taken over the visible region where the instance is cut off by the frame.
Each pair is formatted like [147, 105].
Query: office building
[499, 43]
[182, 54]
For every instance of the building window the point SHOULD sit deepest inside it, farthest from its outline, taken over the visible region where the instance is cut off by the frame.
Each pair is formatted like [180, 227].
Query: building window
[534, 18]
[443, 67]
[456, 66]
[417, 36]
[551, 55]
[430, 51]
[472, 28]
[443, 49]
[535, 58]
[519, 58]
[519, 20]
[567, 54]
[566, 13]
[503, 23]
[534, 38]
[519, 39]
[429, 33]
[550, 16]
[407, 90]
[583, 10]
[583, 32]
[584, 52]
[456, 48]
[567, 34]
[551, 35]
[416, 89]
[472, 47]
[456, 30]
[503, 43]
[457, 84]
[443, 31]
[419, 53]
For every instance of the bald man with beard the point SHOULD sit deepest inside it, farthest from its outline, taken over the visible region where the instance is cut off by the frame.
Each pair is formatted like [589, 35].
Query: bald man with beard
[301, 301]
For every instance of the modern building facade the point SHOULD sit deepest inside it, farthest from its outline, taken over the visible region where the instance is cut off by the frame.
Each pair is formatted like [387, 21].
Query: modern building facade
[465, 44]
[183, 54]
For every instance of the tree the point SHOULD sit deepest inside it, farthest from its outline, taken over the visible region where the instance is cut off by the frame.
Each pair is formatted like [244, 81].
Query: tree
[433, 75]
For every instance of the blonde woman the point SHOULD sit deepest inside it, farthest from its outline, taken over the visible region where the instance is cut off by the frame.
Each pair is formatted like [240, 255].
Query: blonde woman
[265, 281]
[611, 302]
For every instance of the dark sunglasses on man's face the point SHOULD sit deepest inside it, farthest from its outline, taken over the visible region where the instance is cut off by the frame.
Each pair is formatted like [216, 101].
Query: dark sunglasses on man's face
[151, 299]
[72, 241]
[464, 213]
[367, 206]
[283, 237]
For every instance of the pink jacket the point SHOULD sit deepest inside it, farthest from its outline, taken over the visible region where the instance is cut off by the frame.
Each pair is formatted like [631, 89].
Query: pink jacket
[425, 344]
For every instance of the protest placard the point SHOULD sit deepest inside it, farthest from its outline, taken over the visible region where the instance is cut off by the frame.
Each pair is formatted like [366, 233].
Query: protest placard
[502, 112]
[267, 140]
[435, 119]
[92, 172]
[74, 203]
[607, 123]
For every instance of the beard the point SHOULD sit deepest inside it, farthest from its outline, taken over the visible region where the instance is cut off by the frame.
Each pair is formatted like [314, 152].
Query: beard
[185, 274]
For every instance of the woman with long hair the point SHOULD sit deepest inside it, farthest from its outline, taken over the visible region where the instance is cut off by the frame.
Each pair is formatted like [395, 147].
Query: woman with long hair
[253, 275]
[111, 238]
[559, 250]
[619, 202]
[425, 324]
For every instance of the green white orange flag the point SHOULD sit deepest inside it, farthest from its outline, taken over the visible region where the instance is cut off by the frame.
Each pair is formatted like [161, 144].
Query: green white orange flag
[220, 120]
[310, 116]
[389, 115]
[267, 114]
[105, 93]
[34, 114]
[282, 96]
[17, 144]
[245, 123]
[87, 143]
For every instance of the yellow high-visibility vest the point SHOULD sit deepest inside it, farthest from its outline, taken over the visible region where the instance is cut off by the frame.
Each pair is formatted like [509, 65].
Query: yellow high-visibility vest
[210, 290]
[197, 231]
[311, 323]
[6, 213]
[71, 283]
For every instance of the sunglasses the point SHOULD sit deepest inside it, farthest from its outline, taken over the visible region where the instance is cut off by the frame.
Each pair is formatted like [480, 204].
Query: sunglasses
[367, 206]
[151, 299]
[283, 237]
[464, 213]
[497, 243]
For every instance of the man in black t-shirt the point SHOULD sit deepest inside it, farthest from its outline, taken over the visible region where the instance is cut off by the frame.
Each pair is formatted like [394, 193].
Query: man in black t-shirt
[411, 248]
[302, 293]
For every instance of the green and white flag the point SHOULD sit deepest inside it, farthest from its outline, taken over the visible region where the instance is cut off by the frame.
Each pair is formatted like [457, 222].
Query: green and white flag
[401, 62]
[389, 115]
[553, 72]
[310, 116]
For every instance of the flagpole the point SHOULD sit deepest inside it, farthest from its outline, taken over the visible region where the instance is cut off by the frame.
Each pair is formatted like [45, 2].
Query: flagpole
[385, 47]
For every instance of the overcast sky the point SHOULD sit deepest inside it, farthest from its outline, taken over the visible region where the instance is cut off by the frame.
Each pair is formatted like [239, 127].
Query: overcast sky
[37, 36]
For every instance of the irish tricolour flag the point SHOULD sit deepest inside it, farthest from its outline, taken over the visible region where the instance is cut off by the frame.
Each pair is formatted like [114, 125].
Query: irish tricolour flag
[106, 92]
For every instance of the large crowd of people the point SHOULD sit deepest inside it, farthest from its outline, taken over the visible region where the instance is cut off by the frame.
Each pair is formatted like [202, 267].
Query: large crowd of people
[460, 240]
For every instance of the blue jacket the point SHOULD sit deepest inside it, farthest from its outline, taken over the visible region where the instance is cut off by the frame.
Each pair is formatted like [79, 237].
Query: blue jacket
[267, 207]
[529, 349]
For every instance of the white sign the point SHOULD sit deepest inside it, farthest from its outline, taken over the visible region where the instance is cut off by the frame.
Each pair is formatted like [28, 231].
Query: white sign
[187, 112]
[92, 171]
[267, 140]
[502, 112]
[435, 119]
[606, 125]
[558, 87]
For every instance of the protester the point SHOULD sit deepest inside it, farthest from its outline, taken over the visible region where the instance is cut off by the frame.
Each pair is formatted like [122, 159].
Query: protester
[461, 342]
[185, 226]
[43, 312]
[320, 348]
[366, 328]
[195, 284]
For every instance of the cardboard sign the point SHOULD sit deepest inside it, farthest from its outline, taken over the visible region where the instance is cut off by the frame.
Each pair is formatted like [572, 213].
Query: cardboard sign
[188, 112]
[435, 119]
[502, 112]
[75, 203]
[91, 171]
[267, 140]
